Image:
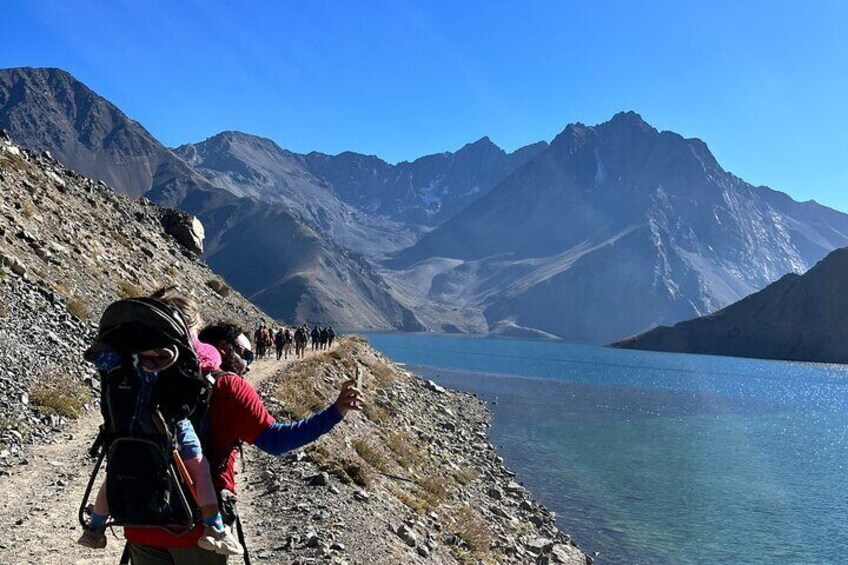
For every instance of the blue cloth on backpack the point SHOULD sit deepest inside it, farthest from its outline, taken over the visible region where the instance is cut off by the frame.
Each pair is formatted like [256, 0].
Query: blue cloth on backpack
[187, 440]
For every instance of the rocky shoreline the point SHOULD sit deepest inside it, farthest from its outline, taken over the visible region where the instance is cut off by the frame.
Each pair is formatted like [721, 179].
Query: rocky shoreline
[412, 479]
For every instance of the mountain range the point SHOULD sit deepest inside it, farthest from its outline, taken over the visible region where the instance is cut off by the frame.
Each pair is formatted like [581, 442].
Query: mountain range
[796, 318]
[600, 234]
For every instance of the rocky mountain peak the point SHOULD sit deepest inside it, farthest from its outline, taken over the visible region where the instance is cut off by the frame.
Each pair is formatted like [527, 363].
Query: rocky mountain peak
[629, 118]
[482, 144]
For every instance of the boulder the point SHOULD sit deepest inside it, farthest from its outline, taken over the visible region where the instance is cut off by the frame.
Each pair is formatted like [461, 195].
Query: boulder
[183, 227]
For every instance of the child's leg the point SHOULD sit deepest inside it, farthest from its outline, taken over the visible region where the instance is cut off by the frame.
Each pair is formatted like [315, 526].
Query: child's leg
[94, 534]
[216, 536]
[198, 469]
[101, 509]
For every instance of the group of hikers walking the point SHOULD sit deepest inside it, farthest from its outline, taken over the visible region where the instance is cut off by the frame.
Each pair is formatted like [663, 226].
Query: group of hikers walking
[282, 338]
[176, 410]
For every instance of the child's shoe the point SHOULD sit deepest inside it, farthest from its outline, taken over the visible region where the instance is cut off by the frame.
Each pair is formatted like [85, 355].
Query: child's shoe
[95, 539]
[222, 542]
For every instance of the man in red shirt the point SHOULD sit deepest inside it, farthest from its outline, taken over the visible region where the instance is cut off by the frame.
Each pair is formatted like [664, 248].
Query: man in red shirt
[236, 415]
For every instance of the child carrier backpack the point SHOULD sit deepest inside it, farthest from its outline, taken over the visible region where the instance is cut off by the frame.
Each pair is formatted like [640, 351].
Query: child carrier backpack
[146, 484]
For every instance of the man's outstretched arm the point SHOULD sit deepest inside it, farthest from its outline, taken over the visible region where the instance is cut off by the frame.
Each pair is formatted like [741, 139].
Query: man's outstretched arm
[279, 438]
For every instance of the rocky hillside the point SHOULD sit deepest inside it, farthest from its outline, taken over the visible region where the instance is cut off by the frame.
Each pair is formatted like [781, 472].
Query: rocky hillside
[68, 247]
[290, 264]
[612, 229]
[797, 318]
[412, 479]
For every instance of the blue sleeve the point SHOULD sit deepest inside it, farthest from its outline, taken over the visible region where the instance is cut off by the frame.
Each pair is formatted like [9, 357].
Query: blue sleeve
[278, 438]
[187, 441]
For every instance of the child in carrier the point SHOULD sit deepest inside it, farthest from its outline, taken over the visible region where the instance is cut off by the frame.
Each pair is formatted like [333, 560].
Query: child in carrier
[217, 536]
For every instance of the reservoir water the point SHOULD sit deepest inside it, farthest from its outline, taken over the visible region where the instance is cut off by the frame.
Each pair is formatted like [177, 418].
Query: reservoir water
[662, 458]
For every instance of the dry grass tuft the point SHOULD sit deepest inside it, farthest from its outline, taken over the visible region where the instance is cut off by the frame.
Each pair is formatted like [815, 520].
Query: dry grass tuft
[219, 286]
[372, 455]
[343, 468]
[121, 238]
[410, 500]
[433, 490]
[406, 452]
[472, 529]
[466, 476]
[59, 394]
[383, 374]
[61, 288]
[78, 308]
[127, 289]
[27, 209]
[377, 412]
[298, 397]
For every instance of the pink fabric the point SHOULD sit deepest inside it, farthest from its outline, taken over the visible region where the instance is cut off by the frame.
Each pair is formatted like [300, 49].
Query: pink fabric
[198, 469]
[208, 355]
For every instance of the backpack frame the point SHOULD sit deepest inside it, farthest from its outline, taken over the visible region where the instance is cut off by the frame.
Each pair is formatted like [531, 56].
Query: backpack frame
[147, 486]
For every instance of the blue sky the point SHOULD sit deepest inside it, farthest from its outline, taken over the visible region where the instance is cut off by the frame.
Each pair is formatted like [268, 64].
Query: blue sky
[763, 83]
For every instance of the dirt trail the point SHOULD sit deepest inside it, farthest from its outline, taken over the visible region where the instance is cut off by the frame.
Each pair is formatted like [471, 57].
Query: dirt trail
[38, 508]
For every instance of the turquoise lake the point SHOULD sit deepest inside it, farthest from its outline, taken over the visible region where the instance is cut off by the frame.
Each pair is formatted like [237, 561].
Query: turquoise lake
[662, 458]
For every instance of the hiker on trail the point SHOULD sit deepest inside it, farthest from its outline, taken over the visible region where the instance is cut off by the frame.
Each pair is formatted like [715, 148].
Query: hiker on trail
[316, 336]
[238, 415]
[331, 335]
[148, 364]
[233, 414]
[259, 340]
[288, 338]
[278, 343]
[300, 339]
[323, 338]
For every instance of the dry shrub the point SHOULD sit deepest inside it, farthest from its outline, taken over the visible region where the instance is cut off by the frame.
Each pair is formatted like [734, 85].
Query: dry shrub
[171, 271]
[472, 529]
[27, 209]
[406, 452]
[59, 394]
[78, 308]
[341, 467]
[466, 476]
[127, 289]
[412, 501]
[219, 286]
[377, 412]
[61, 288]
[4, 311]
[433, 490]
[372, 455]
[298, 397]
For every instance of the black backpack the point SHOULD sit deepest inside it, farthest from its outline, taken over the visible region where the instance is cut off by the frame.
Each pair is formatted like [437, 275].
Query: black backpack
[146, 484]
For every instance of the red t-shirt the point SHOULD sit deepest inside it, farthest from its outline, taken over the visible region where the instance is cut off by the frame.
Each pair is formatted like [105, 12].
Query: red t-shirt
[237, 415]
